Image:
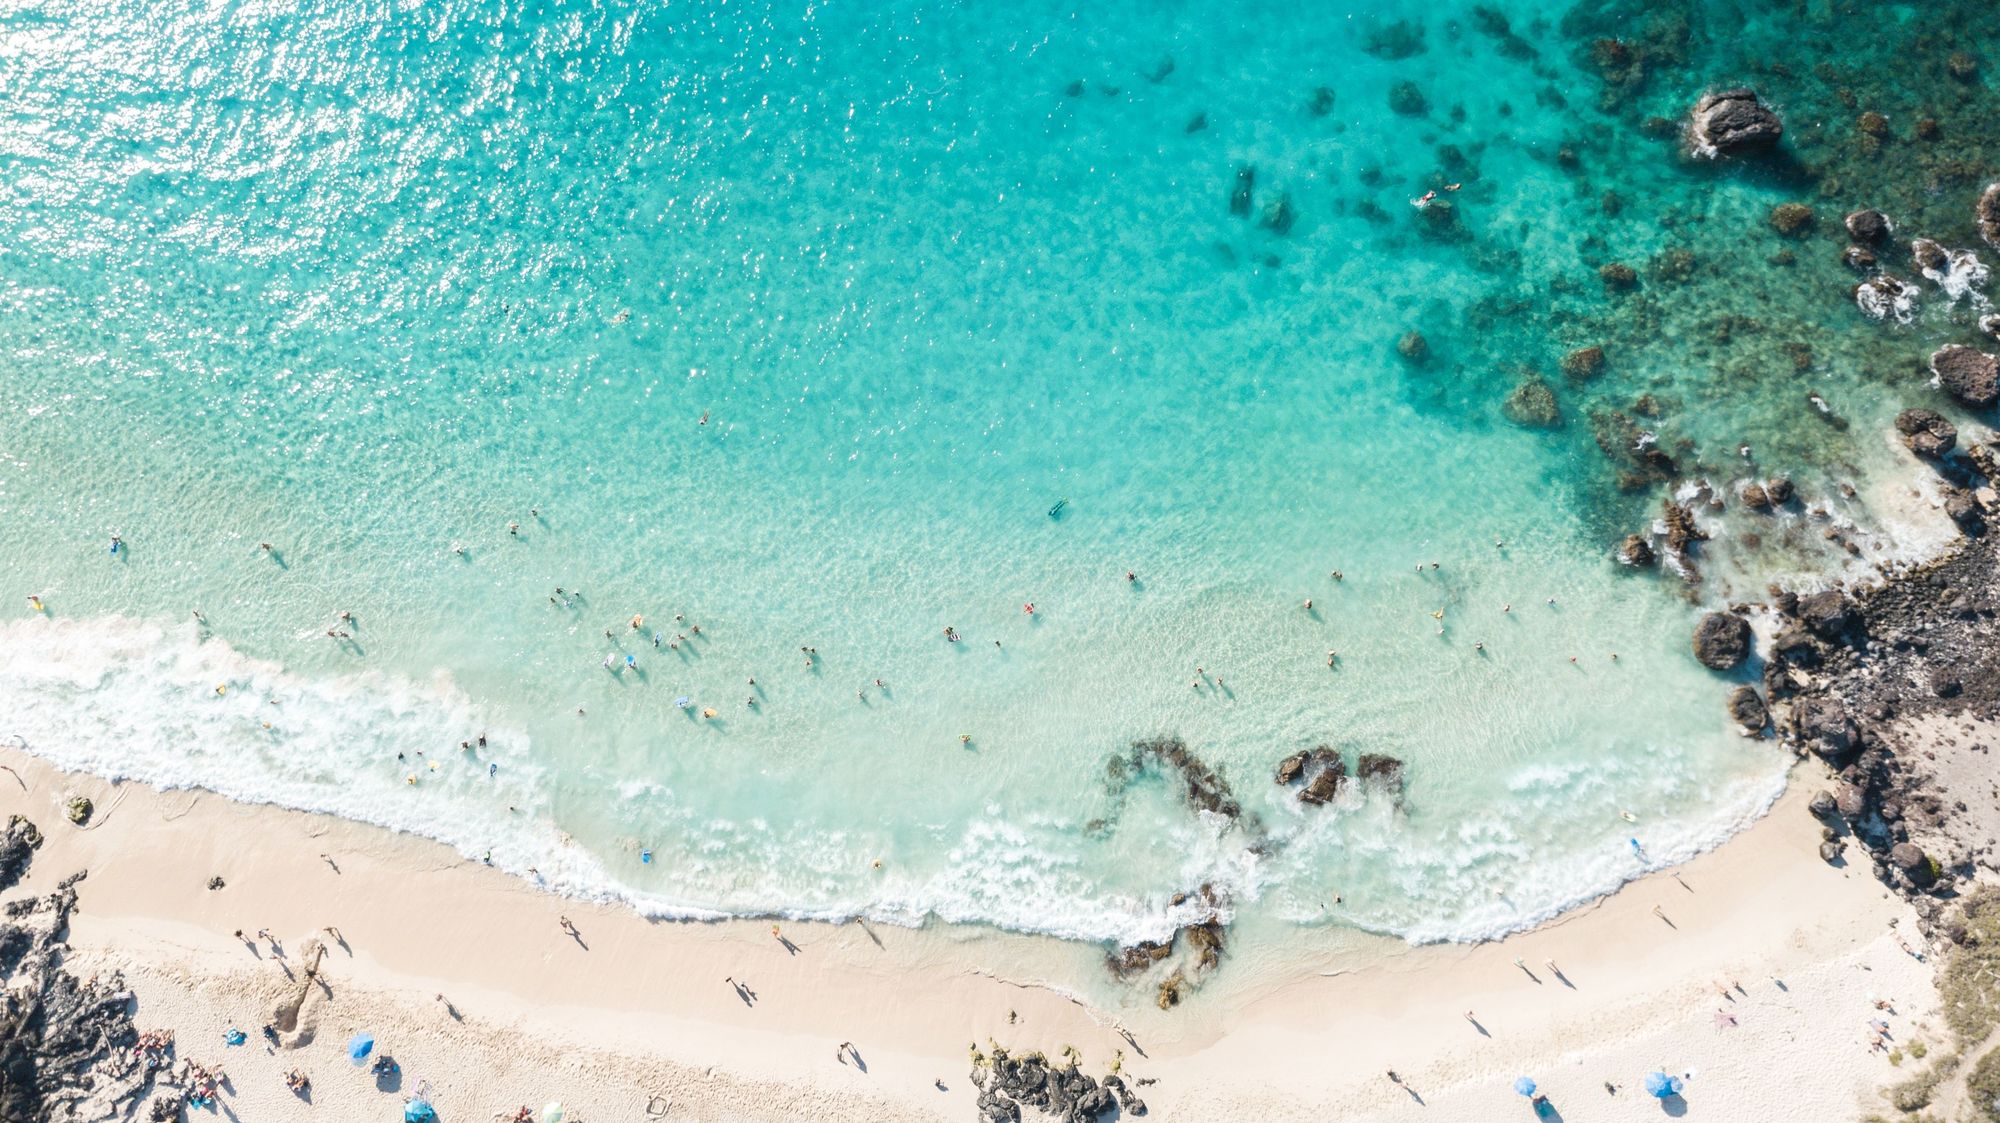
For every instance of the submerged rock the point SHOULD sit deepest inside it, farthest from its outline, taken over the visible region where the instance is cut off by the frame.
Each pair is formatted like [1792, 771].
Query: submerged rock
[1722, 641]
[1779, 489]
[1926, 433]
[1618, 277]
[1973, 377]
[1792, 219]
[1533, 404]
[1732, 123]
[1414, 347]
[1202, 787]
[1279, 215]
[1239, 196]
[1584, 362]
[1405, 98]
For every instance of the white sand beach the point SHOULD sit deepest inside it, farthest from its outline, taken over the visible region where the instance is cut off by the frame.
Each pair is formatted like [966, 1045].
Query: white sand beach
[466, 977]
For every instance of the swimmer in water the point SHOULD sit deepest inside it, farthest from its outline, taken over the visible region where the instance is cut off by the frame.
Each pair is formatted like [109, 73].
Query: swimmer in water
[35, 603]
[116, 543]
[1424, 200]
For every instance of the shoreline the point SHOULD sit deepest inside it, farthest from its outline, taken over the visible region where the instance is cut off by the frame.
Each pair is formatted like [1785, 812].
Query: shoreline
[635, 1009]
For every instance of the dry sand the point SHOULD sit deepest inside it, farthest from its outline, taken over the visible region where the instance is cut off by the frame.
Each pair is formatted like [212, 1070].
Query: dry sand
[465, 976]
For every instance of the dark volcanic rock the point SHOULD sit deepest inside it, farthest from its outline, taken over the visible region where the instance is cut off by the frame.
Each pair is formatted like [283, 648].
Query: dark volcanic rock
[1926, 433]
[1780, 490]
[1913, 862]
[1747, 710]
[1973, 377]
[1722, 641]
[66, 1045]
[17, 849]
[1868, 227]
[1822, 723]
[1963, 509]
[1732, 123]
[1824, 613]
[1823, 805]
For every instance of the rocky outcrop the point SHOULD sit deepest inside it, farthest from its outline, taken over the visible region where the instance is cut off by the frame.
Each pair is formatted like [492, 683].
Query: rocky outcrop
[1825, 614]
[1780, 490]
[1915, 865]
[1722, 641]
[1292, 767]
[1326, 774]
[1973, 377]
[1868, 227]
[1747, 710]
[1381, 771]
[1008, 1083]
[66, 1044]
[1926, 433]
[1732, 123]
[1822, 724]
[1987, 214]
[1636, 551]
[1202, 787]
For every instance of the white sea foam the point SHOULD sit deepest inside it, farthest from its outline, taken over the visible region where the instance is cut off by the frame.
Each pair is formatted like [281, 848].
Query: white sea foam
[132, 699]
[1884, 296]
[1962, 277]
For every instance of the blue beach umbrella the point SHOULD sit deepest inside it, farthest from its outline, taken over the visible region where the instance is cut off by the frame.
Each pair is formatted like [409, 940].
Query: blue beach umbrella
[419, 1110]
[1660, 1086]
[359, 1046]
[1524, 1086]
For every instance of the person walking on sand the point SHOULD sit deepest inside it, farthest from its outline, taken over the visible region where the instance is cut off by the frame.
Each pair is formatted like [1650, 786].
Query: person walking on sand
[567, 924]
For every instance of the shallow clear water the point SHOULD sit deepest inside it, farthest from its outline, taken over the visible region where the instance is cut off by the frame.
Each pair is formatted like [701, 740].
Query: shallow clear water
[794, 323]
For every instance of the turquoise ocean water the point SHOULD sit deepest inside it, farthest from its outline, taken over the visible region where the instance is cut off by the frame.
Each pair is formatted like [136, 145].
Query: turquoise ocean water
[793, 322]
